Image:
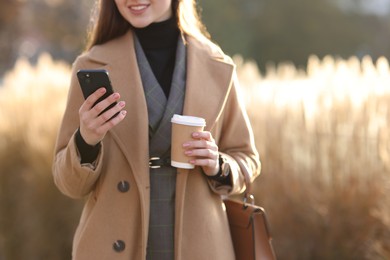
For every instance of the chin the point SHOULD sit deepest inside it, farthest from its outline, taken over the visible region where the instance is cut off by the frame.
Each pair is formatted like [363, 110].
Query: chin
[139, 24]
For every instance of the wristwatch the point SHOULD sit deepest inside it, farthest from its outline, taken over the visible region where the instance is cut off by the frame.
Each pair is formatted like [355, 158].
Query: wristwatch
[224, 170]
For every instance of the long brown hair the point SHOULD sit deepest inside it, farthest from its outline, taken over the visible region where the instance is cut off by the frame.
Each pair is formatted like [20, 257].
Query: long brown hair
[110, 23]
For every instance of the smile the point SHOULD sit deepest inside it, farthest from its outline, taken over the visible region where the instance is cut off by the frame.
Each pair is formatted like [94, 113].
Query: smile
[138, 8]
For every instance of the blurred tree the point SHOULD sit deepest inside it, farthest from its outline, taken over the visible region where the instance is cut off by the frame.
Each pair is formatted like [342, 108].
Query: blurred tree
[56, 26]
[278, 30]
[28, 28]
[230, 23]
[9, 31]
[294, 30]
[263, 30]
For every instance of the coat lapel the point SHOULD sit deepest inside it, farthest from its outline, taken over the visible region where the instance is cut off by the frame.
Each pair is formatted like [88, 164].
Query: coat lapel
[208, 84]
[160, 142]
[155, 97]
[118, 57]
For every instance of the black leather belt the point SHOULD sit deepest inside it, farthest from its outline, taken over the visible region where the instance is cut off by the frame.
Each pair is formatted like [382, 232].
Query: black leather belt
[157, 162]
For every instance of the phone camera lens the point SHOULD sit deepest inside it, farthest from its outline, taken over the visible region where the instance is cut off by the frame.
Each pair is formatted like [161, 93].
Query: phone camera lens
[87, 78]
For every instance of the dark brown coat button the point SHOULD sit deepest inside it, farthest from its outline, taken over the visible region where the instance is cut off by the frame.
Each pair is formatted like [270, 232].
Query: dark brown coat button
[119, 246]
[123, 186]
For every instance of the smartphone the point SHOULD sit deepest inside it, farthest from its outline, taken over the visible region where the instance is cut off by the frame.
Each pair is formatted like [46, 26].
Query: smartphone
[92, 80]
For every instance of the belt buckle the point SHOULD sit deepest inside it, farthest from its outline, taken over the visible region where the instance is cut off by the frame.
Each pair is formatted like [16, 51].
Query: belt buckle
[153, 161]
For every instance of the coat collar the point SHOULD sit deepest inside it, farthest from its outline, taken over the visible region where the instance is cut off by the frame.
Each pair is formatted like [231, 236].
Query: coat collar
[119, 59]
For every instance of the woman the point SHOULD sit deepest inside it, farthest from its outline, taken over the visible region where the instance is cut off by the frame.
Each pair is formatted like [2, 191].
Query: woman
[160, 63]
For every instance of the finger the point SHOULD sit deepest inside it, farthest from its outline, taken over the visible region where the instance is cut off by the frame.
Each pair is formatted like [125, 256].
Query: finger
[102, 105]
[94, 133]
[203, 153]
[199, 144]
[203, 162]
[91, 99]
[206, 135]
[92, 123]
[112, 122]
[108, 115]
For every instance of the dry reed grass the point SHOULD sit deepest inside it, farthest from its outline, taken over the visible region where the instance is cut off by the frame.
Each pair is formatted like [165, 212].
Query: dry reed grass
[322, 134]
[36, 222]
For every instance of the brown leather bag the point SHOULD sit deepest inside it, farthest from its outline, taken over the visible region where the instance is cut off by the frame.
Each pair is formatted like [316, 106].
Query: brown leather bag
[249, 228]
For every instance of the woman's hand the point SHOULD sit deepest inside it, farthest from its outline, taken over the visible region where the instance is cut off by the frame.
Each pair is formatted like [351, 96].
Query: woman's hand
[205, 151]
[93, 127]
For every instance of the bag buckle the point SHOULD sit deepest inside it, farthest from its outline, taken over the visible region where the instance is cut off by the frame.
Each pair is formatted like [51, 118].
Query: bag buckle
[249, 199]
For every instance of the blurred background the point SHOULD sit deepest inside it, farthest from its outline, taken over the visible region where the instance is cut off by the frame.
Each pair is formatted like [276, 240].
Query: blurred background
[316, 82]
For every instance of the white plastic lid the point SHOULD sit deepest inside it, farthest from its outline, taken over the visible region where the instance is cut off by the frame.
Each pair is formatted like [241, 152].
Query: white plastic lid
[188, 120]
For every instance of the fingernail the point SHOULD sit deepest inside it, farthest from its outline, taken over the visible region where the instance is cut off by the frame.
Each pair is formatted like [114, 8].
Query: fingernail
[186, 144]
[188, 152]
[124, 112]
[122, 103]
[196, 134]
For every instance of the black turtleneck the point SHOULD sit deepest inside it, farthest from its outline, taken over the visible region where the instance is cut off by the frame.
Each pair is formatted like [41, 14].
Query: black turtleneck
[159, 42]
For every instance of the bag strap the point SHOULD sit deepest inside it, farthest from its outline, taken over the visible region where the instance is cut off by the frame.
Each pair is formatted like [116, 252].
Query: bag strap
[248, 197]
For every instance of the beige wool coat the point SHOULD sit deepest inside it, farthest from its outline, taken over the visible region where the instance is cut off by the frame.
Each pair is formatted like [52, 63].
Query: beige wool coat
[109, 214]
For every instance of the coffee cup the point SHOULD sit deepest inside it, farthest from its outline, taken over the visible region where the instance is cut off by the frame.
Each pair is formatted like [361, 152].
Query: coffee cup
[182, 129]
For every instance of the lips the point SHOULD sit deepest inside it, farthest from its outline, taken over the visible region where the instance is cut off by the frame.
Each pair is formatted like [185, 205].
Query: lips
[138, 9]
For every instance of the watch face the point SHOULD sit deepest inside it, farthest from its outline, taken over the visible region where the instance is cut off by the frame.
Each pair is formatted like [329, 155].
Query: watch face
[224, 166]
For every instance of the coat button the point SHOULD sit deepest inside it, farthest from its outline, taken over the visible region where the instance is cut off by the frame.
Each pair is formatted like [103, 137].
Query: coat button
[123, 186]
[119, 246]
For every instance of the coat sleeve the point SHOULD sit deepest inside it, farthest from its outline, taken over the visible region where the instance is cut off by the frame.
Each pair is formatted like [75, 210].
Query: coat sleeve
[236, 144]
[70, 176]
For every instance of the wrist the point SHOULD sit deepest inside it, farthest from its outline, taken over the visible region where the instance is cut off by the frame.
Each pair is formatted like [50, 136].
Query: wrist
[223, 172]
[212, 172]
[88, 153]
[86, 139]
